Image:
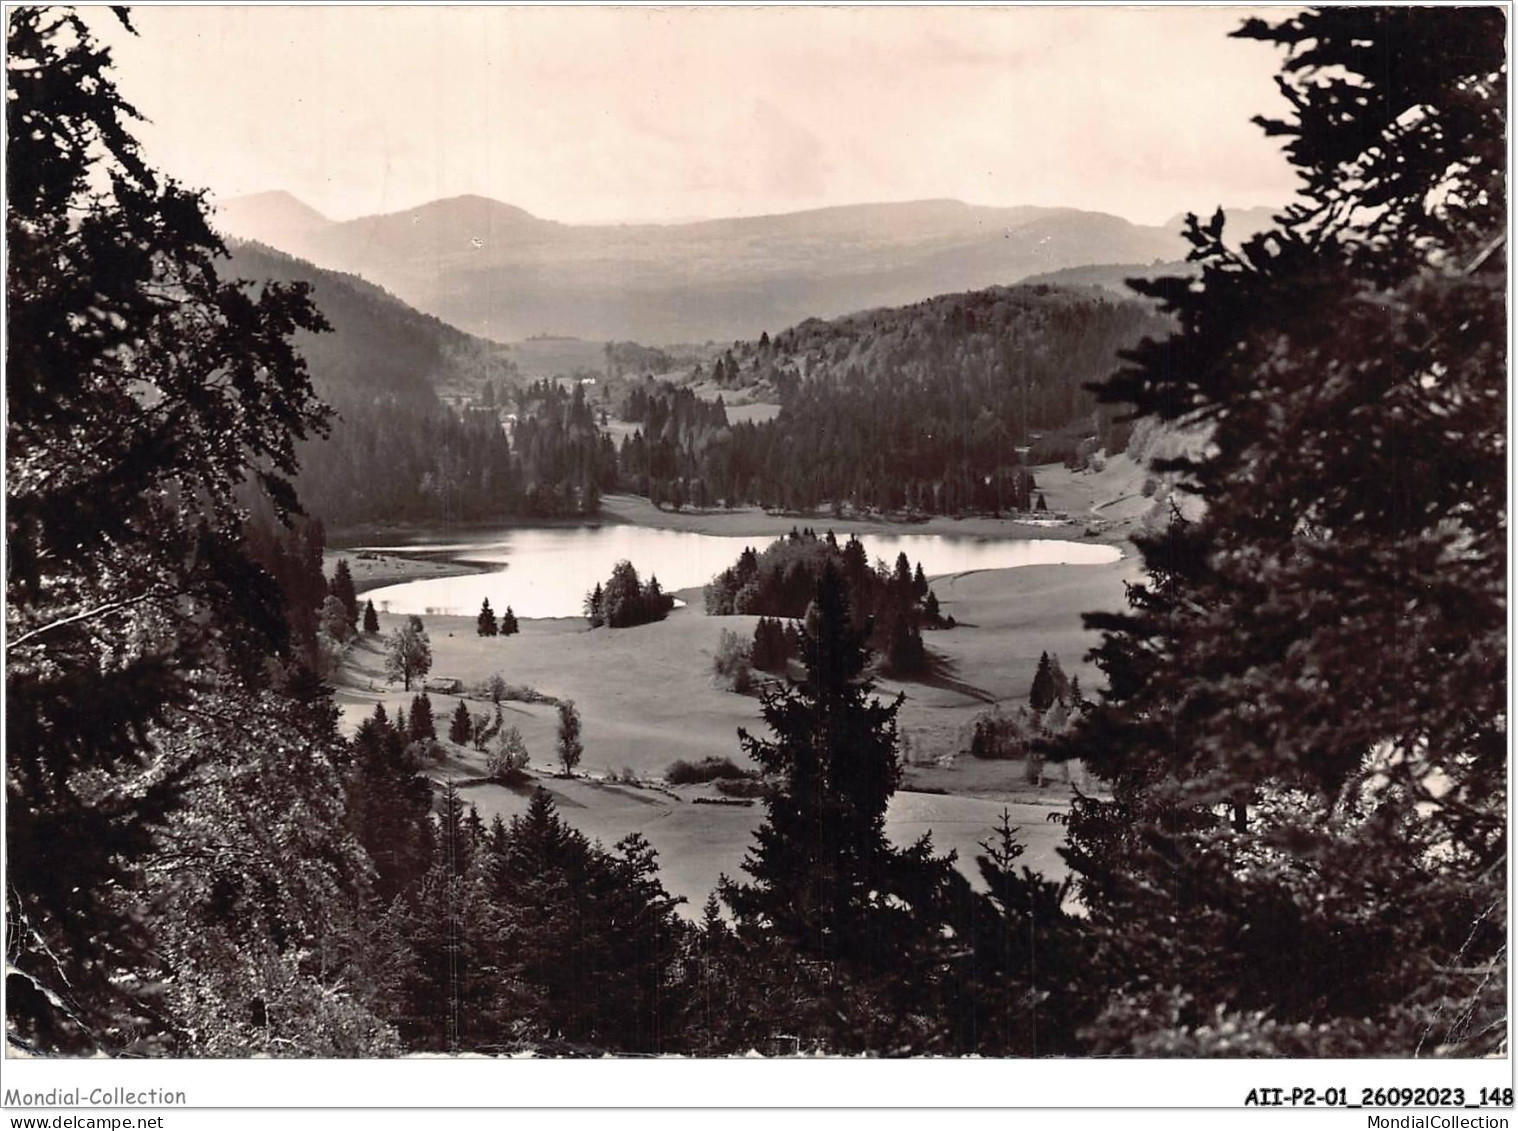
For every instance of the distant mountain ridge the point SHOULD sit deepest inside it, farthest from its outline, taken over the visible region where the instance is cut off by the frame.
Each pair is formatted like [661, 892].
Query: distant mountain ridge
[498, 271]
[273, 218]
[1112, 277]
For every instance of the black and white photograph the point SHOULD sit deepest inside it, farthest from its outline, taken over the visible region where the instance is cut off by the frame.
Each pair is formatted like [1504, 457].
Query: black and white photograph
[762, 534]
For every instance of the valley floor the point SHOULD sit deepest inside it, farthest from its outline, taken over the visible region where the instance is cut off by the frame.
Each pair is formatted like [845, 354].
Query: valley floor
[647, 695]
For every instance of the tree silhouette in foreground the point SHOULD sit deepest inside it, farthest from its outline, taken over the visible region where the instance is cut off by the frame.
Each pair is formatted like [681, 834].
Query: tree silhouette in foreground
[142, 389]
[1304, 727]
[847, 925]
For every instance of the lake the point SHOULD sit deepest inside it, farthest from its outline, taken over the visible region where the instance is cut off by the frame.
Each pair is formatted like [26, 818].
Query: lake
[546, 572]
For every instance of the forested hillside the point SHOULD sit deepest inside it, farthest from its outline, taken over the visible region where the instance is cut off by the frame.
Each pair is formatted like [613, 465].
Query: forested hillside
[392, 462]
[921, 407]
[395, 451]
[378, 347]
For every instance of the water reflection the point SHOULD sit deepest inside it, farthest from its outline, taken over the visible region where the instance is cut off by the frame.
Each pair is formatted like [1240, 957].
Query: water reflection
[547, 572]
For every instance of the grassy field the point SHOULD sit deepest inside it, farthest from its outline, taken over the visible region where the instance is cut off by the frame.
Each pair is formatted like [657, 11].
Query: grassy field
[647, 695]
[697, 843]
[756, 413]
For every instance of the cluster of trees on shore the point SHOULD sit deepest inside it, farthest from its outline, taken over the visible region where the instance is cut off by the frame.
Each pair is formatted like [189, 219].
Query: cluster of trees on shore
[1302, 737]
[891, 605]
[625, 601]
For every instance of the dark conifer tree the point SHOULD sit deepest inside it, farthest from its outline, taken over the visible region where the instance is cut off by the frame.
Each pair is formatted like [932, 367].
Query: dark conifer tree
[453, 841]
[592, 938]
[371, 618]
[1023, 987]
[1042, 694]
[1330, 634]
[825, 885]
[422, 725]
[595, 606]
[453, 990]
[342, 589]
[390, 808]
[485, 623]
[656, 603]
[901, 579]
[461, 726]
[475, 827]
[905, 654]
[128, 587]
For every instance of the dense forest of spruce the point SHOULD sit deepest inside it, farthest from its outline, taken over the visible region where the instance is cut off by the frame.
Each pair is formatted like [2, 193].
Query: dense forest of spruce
[389, 463]
[925, 408]
[1300, 843]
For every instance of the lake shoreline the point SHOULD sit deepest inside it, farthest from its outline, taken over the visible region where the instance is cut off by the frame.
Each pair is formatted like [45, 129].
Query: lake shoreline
[1081, 515]
[1082, 522]
[742, 522]
[351, 539]
[755, 522]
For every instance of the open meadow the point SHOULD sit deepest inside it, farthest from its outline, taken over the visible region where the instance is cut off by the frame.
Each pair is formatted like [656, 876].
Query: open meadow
[648, 696]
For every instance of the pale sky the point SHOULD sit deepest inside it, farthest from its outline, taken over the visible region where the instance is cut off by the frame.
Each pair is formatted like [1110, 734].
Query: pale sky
[604, 115]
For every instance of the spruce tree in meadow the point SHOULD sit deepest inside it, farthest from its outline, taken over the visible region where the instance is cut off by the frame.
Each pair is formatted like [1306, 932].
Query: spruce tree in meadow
[485, 623]
[371, 619]
[342, 588]
[1043, 692]
[422, 725]
[461, 727]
